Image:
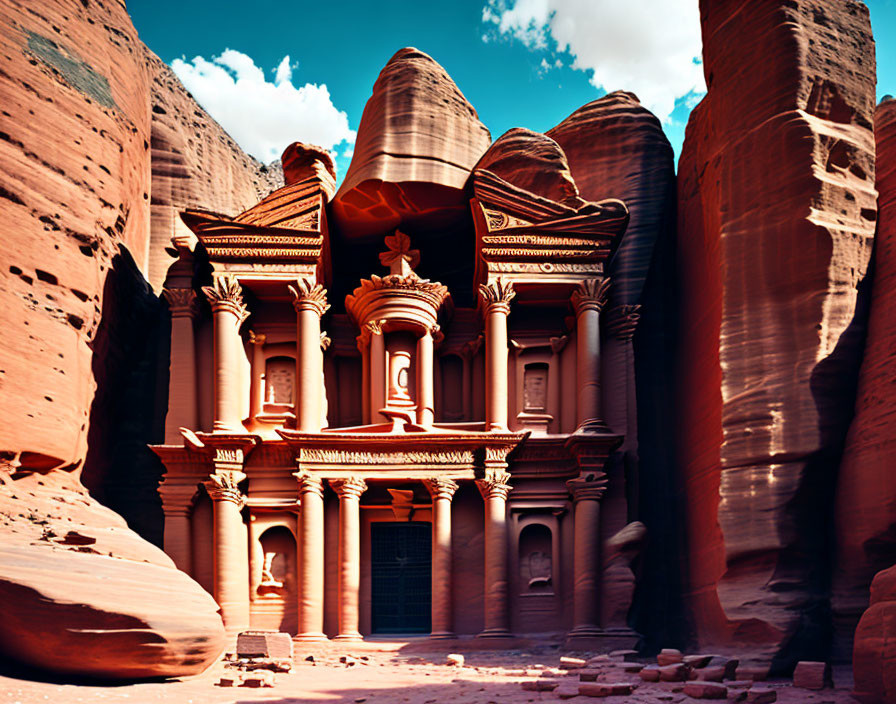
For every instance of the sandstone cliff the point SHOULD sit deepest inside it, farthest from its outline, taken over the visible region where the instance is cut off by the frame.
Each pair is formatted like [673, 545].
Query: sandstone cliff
[776, 219]
[866, 485]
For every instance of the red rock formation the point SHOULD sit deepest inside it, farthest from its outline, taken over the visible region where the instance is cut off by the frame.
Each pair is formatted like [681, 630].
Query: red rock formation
[417, 141]
[195, 164]
[304, 161]
[866, 485]
[874, 657]
[617, 149]
[776, 217]
[83, 595]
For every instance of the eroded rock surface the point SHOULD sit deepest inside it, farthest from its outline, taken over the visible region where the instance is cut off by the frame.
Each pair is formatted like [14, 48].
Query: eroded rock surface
[874, 657]
[417, 141]
[866, 485]
[84, 595]
[776, 219]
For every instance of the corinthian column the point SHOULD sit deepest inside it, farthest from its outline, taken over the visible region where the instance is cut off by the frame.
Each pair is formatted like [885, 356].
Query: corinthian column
[496, 298]
[588, 299]
[182, 379]
[442, 491]
[494, 489]
[311, 554]
[587, 492]
[229, 313]
[310, 301]
[349, 492]
[231, 551]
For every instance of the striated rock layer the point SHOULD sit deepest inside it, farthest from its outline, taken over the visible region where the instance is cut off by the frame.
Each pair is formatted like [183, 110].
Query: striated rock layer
[195, 164]
[866, 485]
[616, 148]
[874, 657]
[417, 141]
[83, 595]
[776, 220]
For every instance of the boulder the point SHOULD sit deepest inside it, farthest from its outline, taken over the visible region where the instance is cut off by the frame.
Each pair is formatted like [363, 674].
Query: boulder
[776, 222]
[417, 141]
[874, 653]
[705, 690]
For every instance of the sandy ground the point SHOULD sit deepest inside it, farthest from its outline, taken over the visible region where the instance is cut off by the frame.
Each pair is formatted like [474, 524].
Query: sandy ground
[396, 672]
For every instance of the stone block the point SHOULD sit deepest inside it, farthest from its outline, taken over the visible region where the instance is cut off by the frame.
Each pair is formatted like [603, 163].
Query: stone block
[706, 690]
[264, 644]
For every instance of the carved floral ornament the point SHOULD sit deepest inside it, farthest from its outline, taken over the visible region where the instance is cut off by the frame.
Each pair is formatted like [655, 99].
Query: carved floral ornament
[399, 256]
[591, 294]
[226, 294]
[351, 487]
[494, 485]
[223, 486]
[497, 295]
[182, 302]
[308, 295]
[440, 488]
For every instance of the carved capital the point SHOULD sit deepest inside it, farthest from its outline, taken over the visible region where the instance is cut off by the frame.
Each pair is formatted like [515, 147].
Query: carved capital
[494, 485]
[324, 341]
[440, 488]
[351, 487]
[257, 338]
[309, 296]
[226, 295]
[621, 321]
[591, 294]
[371, 327]
[309, 483]
[497, 296]
[558, 343]
[181, 302]
[590, 487]
[222, 486]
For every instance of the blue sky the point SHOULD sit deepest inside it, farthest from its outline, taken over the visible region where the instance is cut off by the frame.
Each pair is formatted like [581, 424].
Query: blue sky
[521, 63]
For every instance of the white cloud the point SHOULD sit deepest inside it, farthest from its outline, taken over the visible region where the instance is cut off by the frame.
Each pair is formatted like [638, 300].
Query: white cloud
[264, 117]
[650, 47]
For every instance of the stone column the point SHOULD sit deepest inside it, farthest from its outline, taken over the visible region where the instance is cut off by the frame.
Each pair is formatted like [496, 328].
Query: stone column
[182, 406]
[588, 299]
[349, 491]
[177, 502]
[256, 397]
[442, 491]
[311, 552]
[557, 345]
[364, 348]
[229, 313]
[494, 489]
[377, 370]
[310, 301]
[425, 377]
[231, 554]
[496, 298]
[587, 492]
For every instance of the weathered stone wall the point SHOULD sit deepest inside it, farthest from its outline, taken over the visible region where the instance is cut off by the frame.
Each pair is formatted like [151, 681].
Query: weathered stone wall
[776, 218]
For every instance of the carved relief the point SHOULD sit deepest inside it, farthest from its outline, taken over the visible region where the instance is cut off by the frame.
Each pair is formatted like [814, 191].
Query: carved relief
[226, 294]
[223, 486]
[535, 388]
[440, 488]
[308, 295]
[326, 456]
[494, 485]
[497, 295]
[399, 256]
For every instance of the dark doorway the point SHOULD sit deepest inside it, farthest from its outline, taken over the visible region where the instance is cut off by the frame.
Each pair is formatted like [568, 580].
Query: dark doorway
[401, 566]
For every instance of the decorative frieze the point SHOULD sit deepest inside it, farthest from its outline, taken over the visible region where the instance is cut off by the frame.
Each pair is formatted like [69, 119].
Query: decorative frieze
[315, 455]
[308, 295]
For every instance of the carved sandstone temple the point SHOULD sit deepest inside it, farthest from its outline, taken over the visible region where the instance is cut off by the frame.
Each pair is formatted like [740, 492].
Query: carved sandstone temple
[353, 449]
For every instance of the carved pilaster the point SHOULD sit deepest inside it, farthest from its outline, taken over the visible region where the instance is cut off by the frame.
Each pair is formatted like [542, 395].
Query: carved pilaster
[621, 321]
[497, 296]
[182, 302]
[223, 487]
[350, 487]
[309, 296]
[440, 488]
[494, 485]
[592, 487]
[591, 294]
[226, 294]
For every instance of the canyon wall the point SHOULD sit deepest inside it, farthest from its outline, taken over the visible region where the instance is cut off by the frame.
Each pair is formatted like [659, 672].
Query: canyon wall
[776, 219]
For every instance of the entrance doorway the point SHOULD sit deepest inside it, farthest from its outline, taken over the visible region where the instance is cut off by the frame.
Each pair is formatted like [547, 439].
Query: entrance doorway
[401, 565]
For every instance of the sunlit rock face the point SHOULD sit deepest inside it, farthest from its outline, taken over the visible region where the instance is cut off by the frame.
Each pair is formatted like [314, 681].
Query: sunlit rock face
[866, 485]
[417, 141]
[616, 148]
[195, 164]
[776, 220]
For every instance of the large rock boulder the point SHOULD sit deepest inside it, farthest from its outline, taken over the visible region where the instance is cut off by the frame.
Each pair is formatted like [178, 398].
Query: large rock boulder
[83, 595]
[417, 141]
[776, 222]
[866, 485]
[874, 656]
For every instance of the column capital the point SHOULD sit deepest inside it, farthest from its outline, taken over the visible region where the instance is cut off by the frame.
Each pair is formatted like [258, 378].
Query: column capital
[497, 295]
[558, 343]
[309, 483]
[622, 320]
[349, 487]
[371, 327]
[588, 487]
[494, 485]
[226, 294]
[440, 488]
[308, 295]
[591, 294]
[182, 302]
[177, 499]
[257, 338]
[223, 487]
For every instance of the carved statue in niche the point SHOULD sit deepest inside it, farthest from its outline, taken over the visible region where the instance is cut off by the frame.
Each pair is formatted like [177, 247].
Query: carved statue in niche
[535, 388]
[271, 584]
[538, 566]
[280, 382]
